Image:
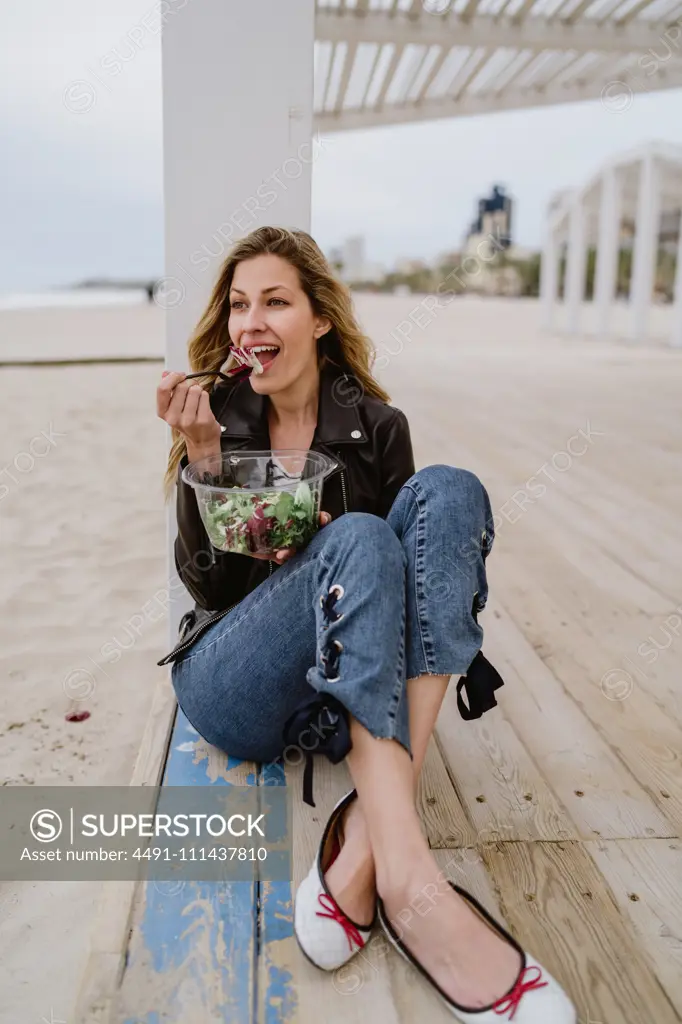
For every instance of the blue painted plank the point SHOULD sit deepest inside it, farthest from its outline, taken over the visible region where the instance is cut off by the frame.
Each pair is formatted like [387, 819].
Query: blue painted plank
[277, 1001]
[194, 943]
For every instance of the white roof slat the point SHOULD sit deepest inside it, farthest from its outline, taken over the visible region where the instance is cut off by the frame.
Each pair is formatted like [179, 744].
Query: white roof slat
[428, 60]
[488, 72]
[519, 9]
[559, 71]
[574, 11]
[322, 65]
[503, 8]
[631, 9]
[469, 10]
[403, 74]
[390, 72]
[455, 60]
[441, 56]
[366, 57]
[348, 65]
[335, 72]
[477, 59]
[580, 69]
[516, 67]
[381, 73]
[370, 77]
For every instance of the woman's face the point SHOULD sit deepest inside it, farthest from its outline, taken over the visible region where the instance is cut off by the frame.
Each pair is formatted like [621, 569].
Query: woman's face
[269, 307]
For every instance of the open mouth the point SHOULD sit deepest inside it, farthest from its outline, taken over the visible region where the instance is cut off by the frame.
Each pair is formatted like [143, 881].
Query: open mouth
[246, 361]
[263, 354]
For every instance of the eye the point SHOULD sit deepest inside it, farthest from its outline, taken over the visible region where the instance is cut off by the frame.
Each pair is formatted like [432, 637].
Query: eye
[279, 300]
[237, 302]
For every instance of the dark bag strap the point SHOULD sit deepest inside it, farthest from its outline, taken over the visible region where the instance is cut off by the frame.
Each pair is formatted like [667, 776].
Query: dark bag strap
[479, 684]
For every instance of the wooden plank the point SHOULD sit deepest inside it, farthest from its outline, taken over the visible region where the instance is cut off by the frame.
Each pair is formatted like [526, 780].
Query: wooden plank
[285, 995]
[643, 736]
[191, 954]
[111, 920]
[588, 777]
[444, 820]
[277, 1000]
[281, 958]
[645, 881]
[559, 907]
[619, 631]
[615, 630]
[502, 791]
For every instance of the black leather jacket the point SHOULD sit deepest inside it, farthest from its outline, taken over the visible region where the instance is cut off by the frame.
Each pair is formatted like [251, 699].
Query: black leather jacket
[371, 443]
[368, 439]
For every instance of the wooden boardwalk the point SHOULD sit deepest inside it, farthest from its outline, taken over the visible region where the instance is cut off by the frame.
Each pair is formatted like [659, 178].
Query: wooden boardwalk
[562, 809]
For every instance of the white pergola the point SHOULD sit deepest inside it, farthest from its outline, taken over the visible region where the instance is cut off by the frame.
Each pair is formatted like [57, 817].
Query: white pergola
[637, 186]
[245, 85]
[381, 62]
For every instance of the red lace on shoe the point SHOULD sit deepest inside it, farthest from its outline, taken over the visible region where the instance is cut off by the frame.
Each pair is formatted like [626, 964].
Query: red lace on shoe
[336, 914]
[512, 999]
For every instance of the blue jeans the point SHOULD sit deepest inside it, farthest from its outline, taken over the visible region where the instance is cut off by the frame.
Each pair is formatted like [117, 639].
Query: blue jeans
[342, 624]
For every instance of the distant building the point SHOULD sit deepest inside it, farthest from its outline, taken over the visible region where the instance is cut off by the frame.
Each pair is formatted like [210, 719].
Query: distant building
[488, 238]
[350, 261]
[494, 217]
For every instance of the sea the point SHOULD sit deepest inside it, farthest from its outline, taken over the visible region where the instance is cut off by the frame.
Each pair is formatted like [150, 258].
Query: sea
[74, 298]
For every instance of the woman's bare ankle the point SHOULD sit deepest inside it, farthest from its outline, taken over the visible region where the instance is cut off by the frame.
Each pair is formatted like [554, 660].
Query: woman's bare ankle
[405, 876]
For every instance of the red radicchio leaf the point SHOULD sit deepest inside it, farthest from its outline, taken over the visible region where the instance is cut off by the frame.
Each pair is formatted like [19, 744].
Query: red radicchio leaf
[76, 716]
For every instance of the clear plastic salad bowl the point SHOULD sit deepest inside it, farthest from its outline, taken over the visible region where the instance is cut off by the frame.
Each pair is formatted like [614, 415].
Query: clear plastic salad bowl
[247, 504]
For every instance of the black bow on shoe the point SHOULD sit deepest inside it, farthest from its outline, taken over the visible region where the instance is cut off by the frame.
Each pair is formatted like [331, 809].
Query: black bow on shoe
[480, 683]
[325, 720]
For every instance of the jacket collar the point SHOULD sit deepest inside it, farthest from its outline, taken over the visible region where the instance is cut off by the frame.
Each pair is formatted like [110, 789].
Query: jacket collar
[338, 419]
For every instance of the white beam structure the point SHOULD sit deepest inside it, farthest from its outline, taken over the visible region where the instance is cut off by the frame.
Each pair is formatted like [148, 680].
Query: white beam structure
[608, 247]
[676, 335]
[538, 33]
[646, 244]
[576, 265]
[549, 278]
[403, 62]
[238, 153]
[636, 187]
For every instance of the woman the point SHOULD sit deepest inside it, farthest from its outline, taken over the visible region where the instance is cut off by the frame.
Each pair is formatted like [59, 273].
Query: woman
[346, 646]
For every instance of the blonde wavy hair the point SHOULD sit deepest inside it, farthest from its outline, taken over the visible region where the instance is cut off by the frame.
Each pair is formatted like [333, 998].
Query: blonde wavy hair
[344, 345]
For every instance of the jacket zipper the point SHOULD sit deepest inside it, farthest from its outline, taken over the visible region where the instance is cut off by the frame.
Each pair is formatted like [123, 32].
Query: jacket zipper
[204, 626]
[343, 489]
[343, 484]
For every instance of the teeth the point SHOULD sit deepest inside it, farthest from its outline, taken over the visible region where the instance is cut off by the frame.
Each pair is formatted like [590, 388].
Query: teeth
[264, 348]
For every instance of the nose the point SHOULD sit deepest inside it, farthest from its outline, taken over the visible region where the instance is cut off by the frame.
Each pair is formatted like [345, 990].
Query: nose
[253, 320]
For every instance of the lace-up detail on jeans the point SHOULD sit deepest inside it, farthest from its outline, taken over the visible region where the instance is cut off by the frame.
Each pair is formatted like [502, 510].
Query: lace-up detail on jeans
[327, 603]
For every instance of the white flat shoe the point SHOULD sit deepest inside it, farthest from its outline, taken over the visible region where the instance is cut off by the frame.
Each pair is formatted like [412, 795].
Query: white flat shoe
[534, 998]
[325, 934]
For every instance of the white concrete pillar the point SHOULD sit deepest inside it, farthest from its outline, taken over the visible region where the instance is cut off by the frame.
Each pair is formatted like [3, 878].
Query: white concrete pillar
[676, 334]
[646, 246]
[576, 265]
[607, 247]
[238, 153]
[549, 276]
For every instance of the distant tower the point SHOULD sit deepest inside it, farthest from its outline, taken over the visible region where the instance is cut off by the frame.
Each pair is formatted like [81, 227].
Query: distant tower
[494, 217]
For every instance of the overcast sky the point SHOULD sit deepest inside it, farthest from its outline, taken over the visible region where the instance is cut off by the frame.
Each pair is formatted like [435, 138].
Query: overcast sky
[81, 192]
